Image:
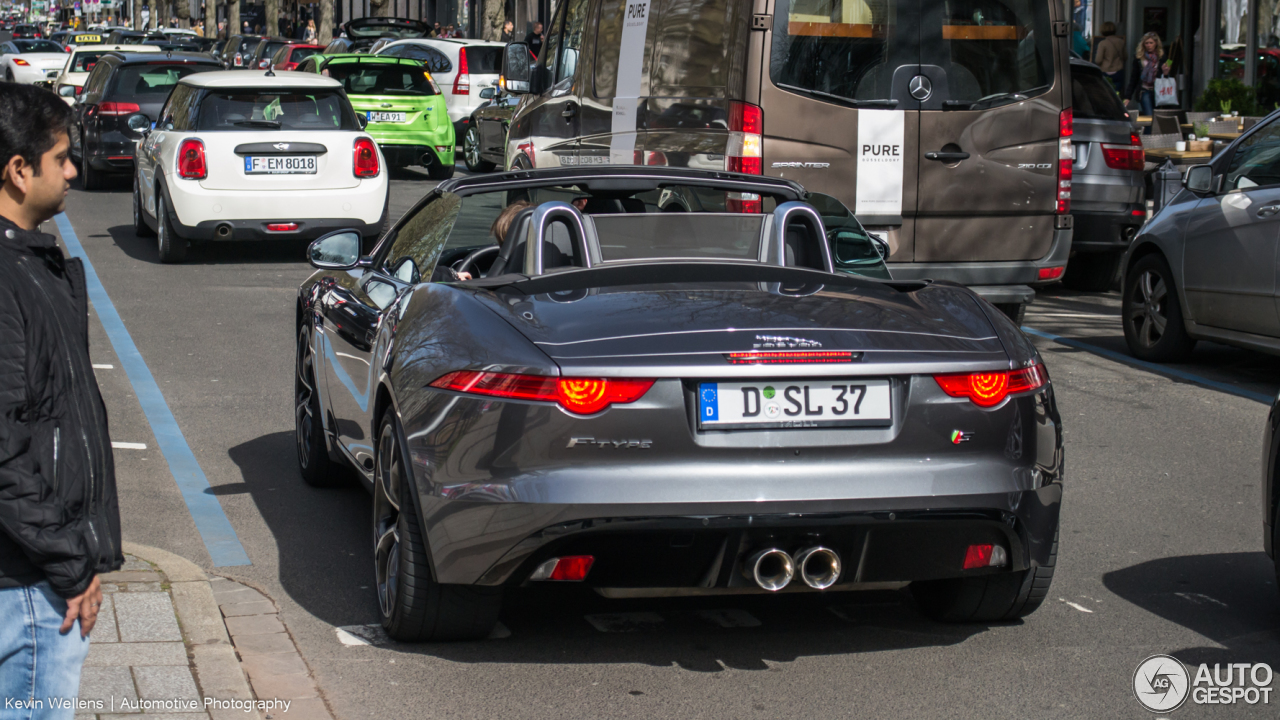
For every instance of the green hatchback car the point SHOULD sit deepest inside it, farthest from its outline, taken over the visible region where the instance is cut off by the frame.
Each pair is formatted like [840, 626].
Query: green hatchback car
[405, 111]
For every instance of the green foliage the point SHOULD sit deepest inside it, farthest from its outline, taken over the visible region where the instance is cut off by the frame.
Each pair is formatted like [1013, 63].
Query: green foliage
[1227, 94]
[1201, 130]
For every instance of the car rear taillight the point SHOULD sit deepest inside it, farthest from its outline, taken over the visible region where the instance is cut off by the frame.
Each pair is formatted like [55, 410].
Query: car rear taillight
[118, 108]
[79, 89]
[1066, 121]
[366, 158]
[980, 556]
[744, 153]
[462, 81]
[1125, 157]
[583, 396]
[20, 61]
[191, 163]
[989, 389]
[769, 357]
[570, 568]
[288, 66]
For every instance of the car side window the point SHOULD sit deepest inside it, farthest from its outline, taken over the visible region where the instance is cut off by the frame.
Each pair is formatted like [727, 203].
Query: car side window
[1257, 160]
[97, 79]
[177, 112]
[575, 23]
[551, 47]
[414, 246]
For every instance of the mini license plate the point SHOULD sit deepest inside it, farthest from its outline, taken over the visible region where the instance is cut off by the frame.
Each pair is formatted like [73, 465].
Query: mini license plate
[280, 164]
[810, 402]
[386, 116]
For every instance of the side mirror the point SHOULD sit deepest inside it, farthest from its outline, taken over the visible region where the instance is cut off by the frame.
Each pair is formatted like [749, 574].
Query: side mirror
[1199, 179]
[487, 93]
[339, 250]
[138, 125]
[882, 245]
[67, 91]
[362, 121]
[517, 68]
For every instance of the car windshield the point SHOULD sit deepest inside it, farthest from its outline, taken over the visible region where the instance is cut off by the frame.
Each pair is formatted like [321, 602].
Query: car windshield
[260, 109]
[85, 61]
[381, 78]
[271, 49]
[154, 78]
[302, 53]
[38, 46]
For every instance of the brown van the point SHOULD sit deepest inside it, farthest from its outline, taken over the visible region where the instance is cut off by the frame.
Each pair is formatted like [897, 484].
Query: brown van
[943, 124]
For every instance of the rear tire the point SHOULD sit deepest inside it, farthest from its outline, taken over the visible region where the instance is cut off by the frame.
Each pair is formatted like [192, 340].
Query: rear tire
[1017, 312]
[991, 598]
[412, 605]
[471, 152]
[173, 249]
[90, 179]
[1152, 314]
[439, 171]
[1092, 272]
[140, 226]
[314, 464]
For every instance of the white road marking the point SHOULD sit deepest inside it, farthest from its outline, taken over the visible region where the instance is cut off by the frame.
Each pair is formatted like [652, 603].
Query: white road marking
[354, 635]
[1077, 606]
[729, 618]
[101, 366]
[1199, 599]
[624, 622]
[128, 446]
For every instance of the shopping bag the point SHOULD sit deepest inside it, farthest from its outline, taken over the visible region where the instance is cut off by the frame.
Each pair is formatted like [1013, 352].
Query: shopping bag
[1166, 92]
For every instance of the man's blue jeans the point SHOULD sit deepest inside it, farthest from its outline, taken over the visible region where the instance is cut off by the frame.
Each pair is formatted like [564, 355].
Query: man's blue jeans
[39, 666]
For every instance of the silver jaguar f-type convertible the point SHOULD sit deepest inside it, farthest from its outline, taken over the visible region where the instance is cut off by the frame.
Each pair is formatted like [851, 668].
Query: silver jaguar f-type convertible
[664, 381]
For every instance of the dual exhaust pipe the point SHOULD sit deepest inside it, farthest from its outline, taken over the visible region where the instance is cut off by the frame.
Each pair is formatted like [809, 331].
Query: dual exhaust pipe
[773, 569]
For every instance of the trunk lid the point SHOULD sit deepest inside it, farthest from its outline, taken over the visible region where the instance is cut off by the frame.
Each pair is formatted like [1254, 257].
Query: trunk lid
[421, 112]
[226, 153]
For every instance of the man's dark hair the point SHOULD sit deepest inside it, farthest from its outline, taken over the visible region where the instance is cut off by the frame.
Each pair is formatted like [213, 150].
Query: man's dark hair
[31, 119]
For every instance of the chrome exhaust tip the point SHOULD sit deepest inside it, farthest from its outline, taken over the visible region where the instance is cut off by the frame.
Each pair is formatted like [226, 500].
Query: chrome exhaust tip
[819, 567]
[426, 159]
[772, 569]
[224, 231]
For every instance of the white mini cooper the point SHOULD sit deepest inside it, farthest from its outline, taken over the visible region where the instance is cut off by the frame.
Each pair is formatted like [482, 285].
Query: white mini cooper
[247, 155]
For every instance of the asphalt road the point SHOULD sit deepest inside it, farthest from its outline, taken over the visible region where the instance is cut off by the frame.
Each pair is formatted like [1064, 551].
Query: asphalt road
[1161, 547]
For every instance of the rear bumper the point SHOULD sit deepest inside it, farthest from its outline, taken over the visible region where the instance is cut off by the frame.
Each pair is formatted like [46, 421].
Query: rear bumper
[998, 282]
[1106, 231]
[359, 206]
[257, 229]
[111, 155]
[400, 154]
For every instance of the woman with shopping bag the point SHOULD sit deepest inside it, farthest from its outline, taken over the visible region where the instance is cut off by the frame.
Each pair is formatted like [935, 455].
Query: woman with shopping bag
[1148, 67]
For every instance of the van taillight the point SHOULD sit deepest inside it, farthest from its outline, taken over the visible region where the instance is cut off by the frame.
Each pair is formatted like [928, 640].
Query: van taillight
[1125, 157]
[1065, 123]
[744, 153]
[191, 163]
[462, 81]
[366, 158]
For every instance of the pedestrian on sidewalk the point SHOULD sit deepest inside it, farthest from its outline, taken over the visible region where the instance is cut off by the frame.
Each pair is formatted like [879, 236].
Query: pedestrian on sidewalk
[1148, 64]
[1108, 54]
[59, 517]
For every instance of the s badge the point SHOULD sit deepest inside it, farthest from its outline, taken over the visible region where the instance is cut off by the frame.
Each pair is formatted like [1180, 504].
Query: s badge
[960, 436]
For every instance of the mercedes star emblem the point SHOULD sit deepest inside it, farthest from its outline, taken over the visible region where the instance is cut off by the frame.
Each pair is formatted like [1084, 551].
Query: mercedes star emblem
[920, 88]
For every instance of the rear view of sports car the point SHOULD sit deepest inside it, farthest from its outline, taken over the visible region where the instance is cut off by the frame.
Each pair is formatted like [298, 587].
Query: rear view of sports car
[650, 402]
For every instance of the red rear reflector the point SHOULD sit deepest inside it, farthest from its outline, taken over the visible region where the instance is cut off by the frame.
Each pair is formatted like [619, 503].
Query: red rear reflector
[977, 556]
[571, 568]
[1050, 273]
[789, 358]
[1139, 213]
[988, 389]
[366, 158]
[282, 227]
[583, 396]
[191, 164]
[117, 108]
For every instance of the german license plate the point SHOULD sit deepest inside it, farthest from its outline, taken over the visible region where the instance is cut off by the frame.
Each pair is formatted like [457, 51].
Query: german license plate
[811, 402]
[386, 116]
[280, 164]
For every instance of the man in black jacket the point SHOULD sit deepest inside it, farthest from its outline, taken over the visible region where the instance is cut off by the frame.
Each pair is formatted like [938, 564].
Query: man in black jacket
[59, 518]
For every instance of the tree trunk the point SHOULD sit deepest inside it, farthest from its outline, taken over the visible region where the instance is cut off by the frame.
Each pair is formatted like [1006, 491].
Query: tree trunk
[381, 8]
[493, 14]
[270, 20]
[324, 31]
[161, 12]
[233, 18]
[137, 14]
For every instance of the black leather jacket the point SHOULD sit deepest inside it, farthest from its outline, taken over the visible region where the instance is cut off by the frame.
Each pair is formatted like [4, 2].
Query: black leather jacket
[59, 517]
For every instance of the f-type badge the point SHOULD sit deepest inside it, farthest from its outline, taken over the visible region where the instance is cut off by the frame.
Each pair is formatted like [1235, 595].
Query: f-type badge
[644, 444]
[920, 88]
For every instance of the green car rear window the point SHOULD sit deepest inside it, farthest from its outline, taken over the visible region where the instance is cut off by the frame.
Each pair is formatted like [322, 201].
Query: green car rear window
[381, 79]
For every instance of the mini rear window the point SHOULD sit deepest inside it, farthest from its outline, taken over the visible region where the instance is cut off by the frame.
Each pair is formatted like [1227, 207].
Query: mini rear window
[381, 78]
[255, 110]
[1093, 97]
[154, 79]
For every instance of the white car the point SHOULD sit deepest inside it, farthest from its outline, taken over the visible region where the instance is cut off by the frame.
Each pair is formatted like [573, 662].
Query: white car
[462, 68]
[242, 155]
[31, 61]
[70, 83]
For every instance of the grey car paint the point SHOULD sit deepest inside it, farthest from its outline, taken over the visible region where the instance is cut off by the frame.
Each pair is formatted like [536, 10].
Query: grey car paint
[500, 481]
[1221, 250]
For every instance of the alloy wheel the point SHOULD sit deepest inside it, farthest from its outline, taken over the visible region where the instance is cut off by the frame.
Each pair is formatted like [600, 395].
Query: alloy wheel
[303, 389]
[471, 146]
[1147, 308]
[388, 474]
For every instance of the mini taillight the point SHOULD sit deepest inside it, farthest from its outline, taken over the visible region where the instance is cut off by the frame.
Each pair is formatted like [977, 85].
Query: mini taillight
[1050, 273]
[462, 81]
[789, 358]
[989, 389]
[583, 396]
[366, 158]
[1125, 157]
[1066, 122]
[570, 568]
[980, 556]
[191, 164]
[118, 108]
